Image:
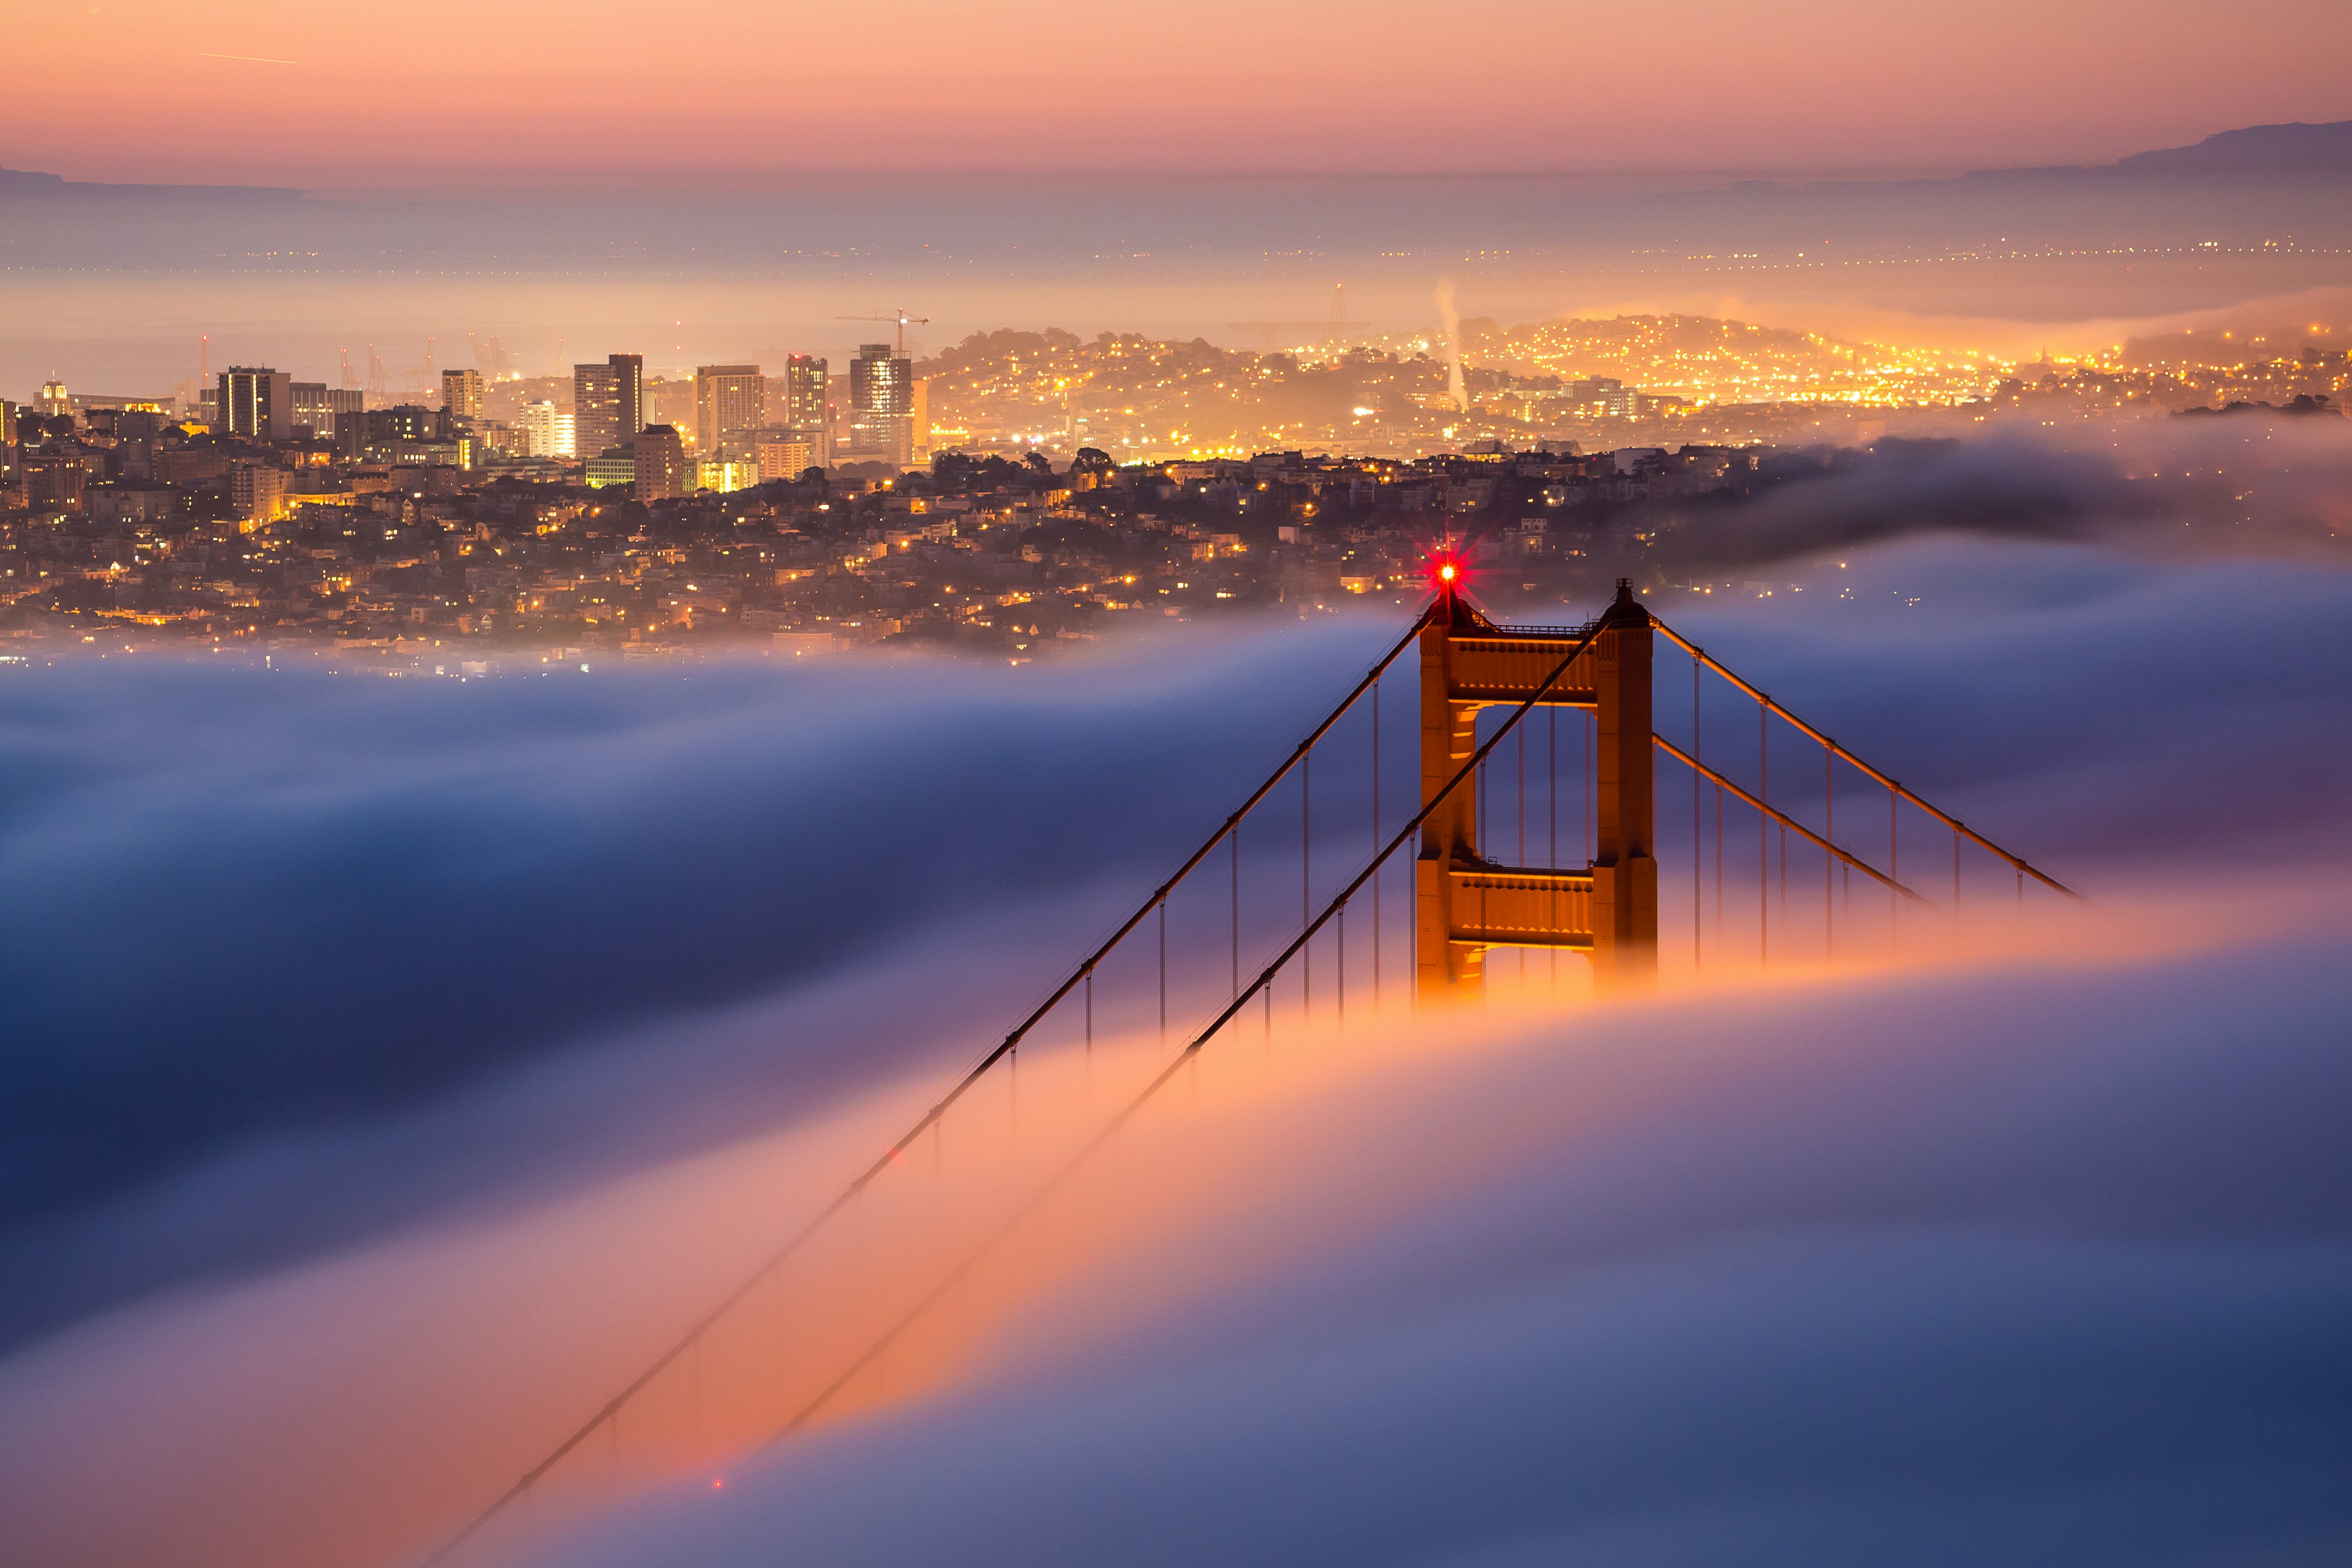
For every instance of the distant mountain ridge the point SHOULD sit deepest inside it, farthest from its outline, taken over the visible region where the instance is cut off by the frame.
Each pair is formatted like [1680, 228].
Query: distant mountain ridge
[2237, 193]
[26, 183]
[2293, 149]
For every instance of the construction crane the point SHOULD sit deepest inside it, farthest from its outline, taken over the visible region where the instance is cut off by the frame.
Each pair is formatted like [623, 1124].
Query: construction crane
[1268, 332]
[901, 318]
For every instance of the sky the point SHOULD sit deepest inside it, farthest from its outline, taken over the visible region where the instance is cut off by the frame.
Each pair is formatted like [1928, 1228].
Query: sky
[597, 94]
[393, 1065]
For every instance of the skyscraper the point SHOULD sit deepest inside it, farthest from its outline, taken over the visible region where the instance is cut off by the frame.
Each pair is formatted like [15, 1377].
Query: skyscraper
[255, 402]
[882, 403]
[311, 409]
[661, 463]
[608, 402]
[730, 403]
[461, 394]
[807, 385]
[256, 493]
[549, 431]
[786, 454]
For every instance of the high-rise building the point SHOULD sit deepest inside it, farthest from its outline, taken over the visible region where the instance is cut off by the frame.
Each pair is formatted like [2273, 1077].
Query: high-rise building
[549, 431]
[461, 394]
[730, 403]
[7, 438]
[807, 387]
[608, 402]
[661, 472]
[882, 403]
[786, 454]
[316, 405]
[257, 494]
[311, 409]
[54, 484]
[258, 403]
[53, 400]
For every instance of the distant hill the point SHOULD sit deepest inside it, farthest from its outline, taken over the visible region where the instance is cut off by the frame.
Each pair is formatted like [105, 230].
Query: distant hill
[23, 184]
[2292, 148]
[2236, 192]
[2294, 152]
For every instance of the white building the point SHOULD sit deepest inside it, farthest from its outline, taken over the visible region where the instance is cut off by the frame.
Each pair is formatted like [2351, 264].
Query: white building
[548, 431]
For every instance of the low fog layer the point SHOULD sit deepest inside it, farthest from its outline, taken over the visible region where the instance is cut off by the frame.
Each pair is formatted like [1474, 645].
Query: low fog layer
[355, 1024]
[2243, 485]
[2031, 1260]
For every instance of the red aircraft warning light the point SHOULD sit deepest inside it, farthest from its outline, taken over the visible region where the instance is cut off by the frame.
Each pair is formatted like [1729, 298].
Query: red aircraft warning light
[1447, 575]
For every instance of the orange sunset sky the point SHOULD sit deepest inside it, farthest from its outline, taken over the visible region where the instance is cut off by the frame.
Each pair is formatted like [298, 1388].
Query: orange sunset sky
[435, 93]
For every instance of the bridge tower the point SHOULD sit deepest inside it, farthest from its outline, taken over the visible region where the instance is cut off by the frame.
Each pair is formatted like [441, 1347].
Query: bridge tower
[1466, 904]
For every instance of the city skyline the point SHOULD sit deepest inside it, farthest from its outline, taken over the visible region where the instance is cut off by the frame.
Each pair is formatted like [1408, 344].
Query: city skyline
[1282, 785]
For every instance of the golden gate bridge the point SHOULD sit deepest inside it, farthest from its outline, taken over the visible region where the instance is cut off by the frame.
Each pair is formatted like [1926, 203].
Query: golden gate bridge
[1480, 685]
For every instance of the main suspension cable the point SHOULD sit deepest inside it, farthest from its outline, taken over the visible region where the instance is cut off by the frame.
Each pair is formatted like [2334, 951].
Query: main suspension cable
[1082, 975]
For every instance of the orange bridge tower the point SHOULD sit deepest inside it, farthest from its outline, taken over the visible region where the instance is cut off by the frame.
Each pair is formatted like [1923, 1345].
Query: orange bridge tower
[1466, 904]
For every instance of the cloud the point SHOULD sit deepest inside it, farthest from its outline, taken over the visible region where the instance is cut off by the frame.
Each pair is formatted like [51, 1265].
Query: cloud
[2218, 489]
[1933, 1270]
[1940, 1258]
[243, 906]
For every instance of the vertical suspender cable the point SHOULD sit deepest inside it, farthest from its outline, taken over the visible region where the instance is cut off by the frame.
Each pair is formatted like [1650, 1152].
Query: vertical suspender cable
[1163, 971]
[1306, 878]
[1480, 786]
[1376, 846]
[1828, 861]
[1339, 983]
[1763, 837]
[1893, 860]
[1551, 784]
[1697, 841]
